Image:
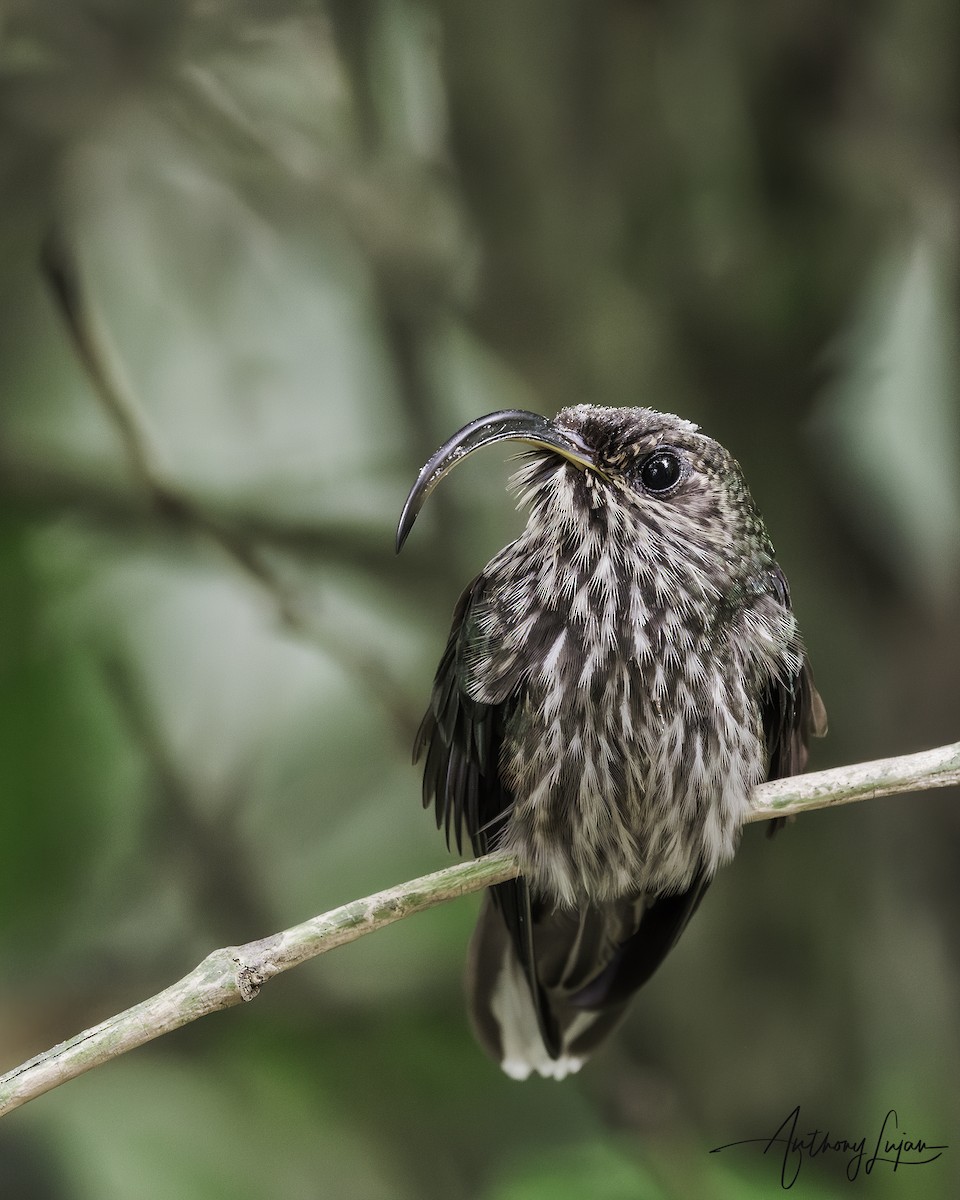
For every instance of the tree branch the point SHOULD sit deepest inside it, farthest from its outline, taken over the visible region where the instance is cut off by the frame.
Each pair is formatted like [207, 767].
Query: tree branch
[236, 973]
[863, 781]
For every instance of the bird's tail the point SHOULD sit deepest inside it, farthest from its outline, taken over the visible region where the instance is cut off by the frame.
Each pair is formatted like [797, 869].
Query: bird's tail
[502, 1004]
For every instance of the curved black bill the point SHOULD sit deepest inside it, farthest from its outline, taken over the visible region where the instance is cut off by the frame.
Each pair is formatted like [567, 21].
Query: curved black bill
[512, 424]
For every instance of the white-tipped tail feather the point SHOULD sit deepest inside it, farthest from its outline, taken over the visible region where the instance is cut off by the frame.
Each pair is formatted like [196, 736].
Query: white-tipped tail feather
[502, 1006]
[521, 1047]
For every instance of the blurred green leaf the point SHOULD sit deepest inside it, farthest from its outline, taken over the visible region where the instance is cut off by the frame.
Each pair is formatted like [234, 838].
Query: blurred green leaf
[63, 768]
[166, 1130]
[595, 1169]
[890, 427]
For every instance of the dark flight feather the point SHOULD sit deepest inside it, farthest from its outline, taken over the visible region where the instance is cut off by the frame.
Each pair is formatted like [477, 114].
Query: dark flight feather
[461, 779]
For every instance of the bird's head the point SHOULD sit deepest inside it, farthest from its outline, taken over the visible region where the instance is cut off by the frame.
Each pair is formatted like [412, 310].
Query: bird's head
[646, 480]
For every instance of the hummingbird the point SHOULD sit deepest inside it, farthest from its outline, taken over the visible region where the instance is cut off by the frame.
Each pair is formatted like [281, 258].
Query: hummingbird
[615, 683]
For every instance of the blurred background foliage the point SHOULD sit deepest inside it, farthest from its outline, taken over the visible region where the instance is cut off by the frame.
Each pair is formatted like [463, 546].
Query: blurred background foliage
[314, 238]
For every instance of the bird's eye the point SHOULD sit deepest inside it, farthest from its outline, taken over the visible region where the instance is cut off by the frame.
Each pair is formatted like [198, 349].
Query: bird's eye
[661, 470]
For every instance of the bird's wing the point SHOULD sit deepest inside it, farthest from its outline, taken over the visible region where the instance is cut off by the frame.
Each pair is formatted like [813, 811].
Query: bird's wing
[791, 709]
[461, 738]
[792, 712]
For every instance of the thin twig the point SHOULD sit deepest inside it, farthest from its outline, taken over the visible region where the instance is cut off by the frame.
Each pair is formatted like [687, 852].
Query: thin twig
[113, 389]
[236, 973]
